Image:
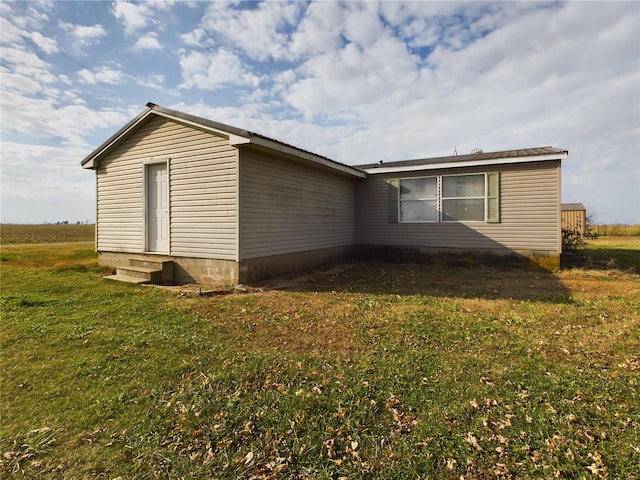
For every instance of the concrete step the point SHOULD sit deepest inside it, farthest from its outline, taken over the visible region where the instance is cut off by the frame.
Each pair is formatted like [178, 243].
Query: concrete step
[148, 274]
[146, 269]
[143, 263]
[150, 261]
[127, 279]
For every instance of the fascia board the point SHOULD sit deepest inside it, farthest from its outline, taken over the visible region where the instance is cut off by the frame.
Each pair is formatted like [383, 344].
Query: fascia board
[470, 163]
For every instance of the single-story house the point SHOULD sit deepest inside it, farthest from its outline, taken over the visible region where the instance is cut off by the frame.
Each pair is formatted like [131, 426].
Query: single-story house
[574, 217]
[207, 202]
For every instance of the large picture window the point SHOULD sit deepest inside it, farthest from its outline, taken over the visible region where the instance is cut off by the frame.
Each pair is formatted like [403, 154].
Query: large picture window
[419, 200]
[463, 198]
[446, 198]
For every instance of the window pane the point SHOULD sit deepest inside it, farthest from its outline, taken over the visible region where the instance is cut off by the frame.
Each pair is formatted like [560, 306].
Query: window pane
[418, 188]
[463, 186]
[463, 210]
[418, 211]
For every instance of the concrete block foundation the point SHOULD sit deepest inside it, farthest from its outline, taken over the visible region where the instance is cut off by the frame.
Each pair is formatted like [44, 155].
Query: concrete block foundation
[451, 256]
[229, 273]
[254, 269]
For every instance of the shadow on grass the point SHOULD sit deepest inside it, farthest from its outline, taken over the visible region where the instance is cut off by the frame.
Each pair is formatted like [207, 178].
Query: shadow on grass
[477, 281]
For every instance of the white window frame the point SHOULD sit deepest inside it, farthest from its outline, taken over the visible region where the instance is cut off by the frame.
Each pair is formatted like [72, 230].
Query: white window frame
[484, 198]
[440, 199]
[437, 199]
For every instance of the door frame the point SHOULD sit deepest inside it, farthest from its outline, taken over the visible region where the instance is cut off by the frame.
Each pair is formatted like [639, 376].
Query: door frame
[145, 203]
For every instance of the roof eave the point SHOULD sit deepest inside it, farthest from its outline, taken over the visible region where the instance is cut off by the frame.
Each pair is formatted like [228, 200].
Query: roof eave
[90, 161]
[469, 163]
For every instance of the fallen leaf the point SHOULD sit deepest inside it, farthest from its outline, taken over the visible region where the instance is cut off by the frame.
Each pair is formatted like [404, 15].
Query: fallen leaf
[471, 438]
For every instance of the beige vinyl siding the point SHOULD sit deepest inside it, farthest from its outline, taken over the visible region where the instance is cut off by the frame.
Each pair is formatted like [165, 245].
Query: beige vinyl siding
[529, 213]
[288, 207]
[120, 205]
[202, 180]
[203, 200]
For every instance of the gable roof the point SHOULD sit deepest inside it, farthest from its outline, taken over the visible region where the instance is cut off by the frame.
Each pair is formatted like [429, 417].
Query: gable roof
[237, 138]
[472, 159]
[566, 207]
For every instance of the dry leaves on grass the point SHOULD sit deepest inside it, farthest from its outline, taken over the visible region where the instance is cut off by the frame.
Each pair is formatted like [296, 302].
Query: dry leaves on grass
[403, 421]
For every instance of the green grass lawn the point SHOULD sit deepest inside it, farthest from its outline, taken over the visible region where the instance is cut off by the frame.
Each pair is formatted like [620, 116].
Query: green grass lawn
[617, 251]
[364, 371]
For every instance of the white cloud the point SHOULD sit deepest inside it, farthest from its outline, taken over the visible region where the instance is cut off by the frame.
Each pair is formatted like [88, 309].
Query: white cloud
[47, 45]
[319, 30]
[9, 33]
[14, 35]
[268, 22]
[36, 15]
[153, 81]
[89, 33]
[85, 34]
[5, 8]
[148, 42]
[196, 38]
[13, 82]
[209, 71]
[163, 5]
[136, 16]
[43, 118]
[28, 64]
[353, 76]
[133, 16]
[101, 75]
[362, 23]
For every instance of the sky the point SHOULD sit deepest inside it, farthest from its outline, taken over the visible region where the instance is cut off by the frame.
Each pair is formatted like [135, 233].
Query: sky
[357, 82]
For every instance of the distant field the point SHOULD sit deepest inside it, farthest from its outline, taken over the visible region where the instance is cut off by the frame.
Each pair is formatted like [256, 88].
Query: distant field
[615, 230]
[11, 234]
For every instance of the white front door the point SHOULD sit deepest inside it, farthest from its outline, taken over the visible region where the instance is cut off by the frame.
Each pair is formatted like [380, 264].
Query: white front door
[157, 208]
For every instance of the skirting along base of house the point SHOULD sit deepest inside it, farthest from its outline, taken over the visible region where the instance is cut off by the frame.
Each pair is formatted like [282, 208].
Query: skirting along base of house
[229, 273]
[451, 256]
[254, 269]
